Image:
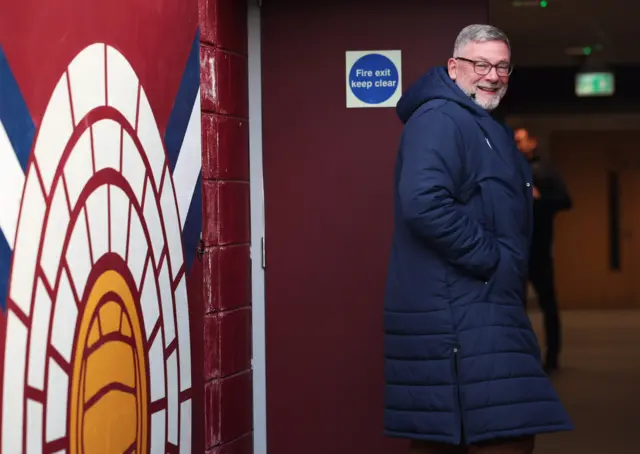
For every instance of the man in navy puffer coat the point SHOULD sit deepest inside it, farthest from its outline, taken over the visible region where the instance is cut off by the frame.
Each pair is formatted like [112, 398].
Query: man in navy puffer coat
[462, 363]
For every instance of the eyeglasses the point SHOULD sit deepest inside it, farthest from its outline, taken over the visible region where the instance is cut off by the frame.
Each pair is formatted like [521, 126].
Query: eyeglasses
[483, 68]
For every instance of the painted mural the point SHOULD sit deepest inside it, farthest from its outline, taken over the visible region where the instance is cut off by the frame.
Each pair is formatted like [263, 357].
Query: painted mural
[100, 211]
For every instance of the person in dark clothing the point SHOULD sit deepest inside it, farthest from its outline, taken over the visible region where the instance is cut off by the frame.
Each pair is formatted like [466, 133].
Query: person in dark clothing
[463, 367]
[550, 197]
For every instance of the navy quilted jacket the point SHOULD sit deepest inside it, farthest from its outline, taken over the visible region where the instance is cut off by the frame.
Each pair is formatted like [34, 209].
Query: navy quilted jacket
[462, 363]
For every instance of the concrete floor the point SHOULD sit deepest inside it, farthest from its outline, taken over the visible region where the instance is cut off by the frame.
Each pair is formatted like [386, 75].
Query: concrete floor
[599, 383]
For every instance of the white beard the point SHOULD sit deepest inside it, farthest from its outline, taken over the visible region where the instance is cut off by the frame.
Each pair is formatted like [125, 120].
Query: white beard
[491, 103]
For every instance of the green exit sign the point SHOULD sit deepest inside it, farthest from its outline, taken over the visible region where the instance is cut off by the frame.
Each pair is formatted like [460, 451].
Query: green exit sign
[595, 84]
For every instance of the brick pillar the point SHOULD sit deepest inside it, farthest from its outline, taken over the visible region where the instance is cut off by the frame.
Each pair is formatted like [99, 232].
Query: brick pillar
[226, 230]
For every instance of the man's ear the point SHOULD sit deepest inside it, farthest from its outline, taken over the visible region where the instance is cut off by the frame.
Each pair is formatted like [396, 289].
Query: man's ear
[452, 67]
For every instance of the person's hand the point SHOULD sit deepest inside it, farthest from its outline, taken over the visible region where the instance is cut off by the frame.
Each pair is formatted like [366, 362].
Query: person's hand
[536, 193]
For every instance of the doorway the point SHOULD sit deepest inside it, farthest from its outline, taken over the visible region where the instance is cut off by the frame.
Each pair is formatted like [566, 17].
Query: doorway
[597, 243]
[328, 192]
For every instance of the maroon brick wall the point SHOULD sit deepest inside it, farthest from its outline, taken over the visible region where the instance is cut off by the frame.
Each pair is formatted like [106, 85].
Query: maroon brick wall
[226, 230]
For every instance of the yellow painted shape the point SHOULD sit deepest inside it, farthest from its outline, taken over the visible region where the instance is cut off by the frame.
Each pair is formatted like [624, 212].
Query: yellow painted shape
[110, 425]
[125, 328]
[101, 369]
[116, 420]
[94, 333]
[110, 314]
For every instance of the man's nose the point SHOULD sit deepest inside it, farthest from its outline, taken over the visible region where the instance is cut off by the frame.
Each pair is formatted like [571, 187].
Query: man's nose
[493, 75]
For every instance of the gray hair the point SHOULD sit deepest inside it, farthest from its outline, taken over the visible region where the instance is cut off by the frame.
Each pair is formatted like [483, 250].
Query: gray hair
[478, 33]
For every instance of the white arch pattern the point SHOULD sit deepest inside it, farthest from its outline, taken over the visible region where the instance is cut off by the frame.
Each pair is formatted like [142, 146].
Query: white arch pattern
[73, 212]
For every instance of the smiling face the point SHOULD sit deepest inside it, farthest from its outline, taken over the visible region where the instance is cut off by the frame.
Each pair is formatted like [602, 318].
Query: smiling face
[486, 90]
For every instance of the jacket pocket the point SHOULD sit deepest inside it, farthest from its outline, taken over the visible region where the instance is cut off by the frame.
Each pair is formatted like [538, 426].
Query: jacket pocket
[508, 282]
[476, 203]
[465, 287]
[486, 200]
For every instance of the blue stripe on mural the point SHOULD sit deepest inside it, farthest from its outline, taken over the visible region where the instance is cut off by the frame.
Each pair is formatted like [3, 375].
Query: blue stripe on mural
[14, 114]
[193, 225]
[5, 266]
[183, 105]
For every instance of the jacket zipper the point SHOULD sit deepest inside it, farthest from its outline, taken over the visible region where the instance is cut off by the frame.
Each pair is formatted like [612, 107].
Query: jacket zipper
[456, 366]
[456, 393]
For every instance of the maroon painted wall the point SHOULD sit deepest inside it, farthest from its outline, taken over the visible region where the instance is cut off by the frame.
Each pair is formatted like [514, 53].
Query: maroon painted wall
[225, 233]
[328, 188]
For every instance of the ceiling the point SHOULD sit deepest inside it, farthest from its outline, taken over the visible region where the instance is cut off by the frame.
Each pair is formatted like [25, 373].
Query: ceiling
[541, 36]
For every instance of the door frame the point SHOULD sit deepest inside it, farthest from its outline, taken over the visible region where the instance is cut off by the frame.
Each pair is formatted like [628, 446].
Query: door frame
[254, 50]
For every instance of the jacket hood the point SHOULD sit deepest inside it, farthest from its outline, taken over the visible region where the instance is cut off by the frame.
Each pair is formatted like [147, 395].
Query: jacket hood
[435, 84]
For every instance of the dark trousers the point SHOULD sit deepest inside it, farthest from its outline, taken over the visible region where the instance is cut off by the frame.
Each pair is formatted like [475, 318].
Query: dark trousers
[523, 445]
[542, 280]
